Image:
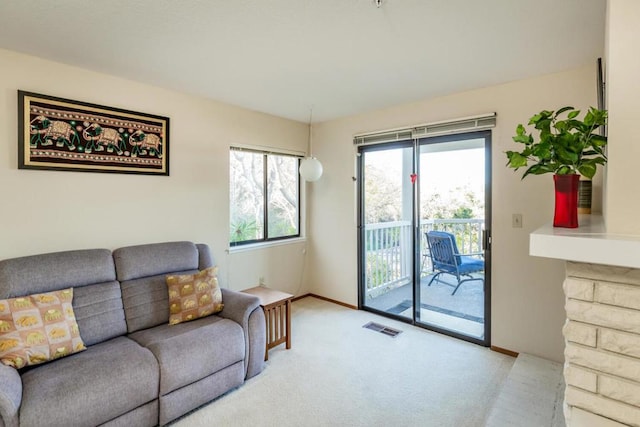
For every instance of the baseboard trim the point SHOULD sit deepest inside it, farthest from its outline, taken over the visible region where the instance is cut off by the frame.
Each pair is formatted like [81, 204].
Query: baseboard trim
[300, 297]
[344, 304]
[353, 307]
[504, 351]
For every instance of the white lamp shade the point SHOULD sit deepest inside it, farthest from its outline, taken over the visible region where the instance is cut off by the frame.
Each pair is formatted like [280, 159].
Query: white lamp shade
[311, 169]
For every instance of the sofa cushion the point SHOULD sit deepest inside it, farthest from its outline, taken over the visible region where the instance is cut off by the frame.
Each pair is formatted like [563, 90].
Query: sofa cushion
[192, 296]
[143, 416]
[89, 388]
[192, 396]
[205, 258]
[99, 312]
[37, 328]
[193, 350]
[141, 271]
[55, 271]
[134, 262]
[146, 301]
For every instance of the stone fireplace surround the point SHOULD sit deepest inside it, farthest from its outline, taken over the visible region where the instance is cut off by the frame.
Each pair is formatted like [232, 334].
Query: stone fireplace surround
[602, 330]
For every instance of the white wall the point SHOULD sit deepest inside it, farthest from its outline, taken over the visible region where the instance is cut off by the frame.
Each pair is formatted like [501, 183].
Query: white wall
[527, 297]
[44, 211]
[623, 91]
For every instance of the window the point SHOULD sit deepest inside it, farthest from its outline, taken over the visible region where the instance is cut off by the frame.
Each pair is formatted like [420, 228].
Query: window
[265, 196]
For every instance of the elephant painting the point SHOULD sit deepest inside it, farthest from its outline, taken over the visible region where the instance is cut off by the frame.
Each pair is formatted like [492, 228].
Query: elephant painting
[141, 141]
[99, 137]
[45, 131]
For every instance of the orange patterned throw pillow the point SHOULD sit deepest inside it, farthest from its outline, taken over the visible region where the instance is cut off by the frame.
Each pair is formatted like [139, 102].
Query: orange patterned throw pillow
[192, 296]
[38, 328]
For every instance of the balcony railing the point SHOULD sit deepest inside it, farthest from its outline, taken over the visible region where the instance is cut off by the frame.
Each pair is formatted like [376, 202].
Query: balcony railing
[389, 253]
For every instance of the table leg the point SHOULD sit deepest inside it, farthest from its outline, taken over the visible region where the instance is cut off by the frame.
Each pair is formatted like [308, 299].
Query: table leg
[288, 324]
[267, 314]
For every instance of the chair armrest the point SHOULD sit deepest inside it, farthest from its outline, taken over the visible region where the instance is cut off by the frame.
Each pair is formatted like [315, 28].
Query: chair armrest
[471, 254]
[475, 253]
[10, 396]
[245, 310]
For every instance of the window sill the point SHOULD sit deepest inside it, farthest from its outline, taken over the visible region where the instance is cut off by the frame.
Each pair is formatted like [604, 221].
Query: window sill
[264, 245]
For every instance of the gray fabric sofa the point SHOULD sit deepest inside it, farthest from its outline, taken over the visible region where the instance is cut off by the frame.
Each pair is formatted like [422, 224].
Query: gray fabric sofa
[137, 370]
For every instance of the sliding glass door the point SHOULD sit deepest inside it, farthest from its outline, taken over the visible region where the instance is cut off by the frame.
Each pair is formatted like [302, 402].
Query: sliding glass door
[424, 234]
[386, 231]
[452, 283]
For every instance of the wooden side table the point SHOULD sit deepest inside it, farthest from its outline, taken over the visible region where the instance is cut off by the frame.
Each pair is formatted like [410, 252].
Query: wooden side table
[277, 312]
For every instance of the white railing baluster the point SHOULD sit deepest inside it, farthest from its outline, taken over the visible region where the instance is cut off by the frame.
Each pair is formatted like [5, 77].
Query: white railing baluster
[388, 256]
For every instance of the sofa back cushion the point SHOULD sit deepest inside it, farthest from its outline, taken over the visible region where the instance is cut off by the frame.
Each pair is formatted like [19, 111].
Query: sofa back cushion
[54, 271]
[142, 272]
[97, 301]
[99, 312]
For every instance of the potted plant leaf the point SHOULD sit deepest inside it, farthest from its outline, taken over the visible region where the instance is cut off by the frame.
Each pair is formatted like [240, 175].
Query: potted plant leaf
[567, 147]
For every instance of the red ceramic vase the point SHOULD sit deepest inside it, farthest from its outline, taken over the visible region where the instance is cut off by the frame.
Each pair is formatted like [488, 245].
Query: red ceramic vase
[566, 210]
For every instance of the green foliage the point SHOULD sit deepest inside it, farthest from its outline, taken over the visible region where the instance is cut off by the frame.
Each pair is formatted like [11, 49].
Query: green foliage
[280, 226]
[383, 196]
[378, 270]
[463, 212]
[387, 240]
[242, 230]
[458, 202]
[564, 146]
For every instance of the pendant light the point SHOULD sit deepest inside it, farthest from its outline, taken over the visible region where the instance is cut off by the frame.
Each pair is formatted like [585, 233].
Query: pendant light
[310, 168]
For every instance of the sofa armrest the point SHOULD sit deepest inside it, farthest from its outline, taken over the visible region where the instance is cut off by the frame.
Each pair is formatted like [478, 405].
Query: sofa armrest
[10, 396]
[245, 310]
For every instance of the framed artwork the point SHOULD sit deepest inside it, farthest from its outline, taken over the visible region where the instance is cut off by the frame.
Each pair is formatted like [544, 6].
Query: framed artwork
[61, 134]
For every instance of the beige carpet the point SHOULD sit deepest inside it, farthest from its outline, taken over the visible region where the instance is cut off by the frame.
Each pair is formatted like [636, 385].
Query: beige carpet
[532, 395]
[340, 374]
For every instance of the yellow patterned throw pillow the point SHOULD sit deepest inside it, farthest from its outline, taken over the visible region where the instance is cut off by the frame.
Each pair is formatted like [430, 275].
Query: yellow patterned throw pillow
[192, 296]
[38, 328]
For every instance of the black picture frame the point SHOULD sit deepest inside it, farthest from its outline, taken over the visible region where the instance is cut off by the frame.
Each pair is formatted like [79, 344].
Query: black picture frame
[66, 135]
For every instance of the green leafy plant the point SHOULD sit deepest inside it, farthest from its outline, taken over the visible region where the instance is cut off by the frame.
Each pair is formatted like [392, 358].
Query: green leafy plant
[243, 229]
[564, 146]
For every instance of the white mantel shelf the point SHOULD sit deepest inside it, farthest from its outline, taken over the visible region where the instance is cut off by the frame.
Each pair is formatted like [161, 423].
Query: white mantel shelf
[589, 243]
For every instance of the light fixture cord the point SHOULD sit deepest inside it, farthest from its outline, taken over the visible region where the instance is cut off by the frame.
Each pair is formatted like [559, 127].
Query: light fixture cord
[310, 137]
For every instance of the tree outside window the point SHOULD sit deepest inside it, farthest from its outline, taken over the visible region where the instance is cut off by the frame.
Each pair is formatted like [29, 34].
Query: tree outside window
[265, 196]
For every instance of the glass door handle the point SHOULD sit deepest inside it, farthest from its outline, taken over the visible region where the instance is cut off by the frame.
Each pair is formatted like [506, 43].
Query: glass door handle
[486, 240]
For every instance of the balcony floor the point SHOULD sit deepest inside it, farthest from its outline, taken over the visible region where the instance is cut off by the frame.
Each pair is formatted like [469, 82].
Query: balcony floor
[462, 312]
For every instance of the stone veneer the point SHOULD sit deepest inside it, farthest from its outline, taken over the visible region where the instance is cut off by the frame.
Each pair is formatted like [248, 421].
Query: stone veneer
[602, 353]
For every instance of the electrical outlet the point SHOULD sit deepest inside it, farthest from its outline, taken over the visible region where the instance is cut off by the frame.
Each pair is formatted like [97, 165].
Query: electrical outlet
[516, 221]
[261, 281]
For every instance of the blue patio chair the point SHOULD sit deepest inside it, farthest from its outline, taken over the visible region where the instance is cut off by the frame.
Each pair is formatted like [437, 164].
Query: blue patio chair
[446, 259]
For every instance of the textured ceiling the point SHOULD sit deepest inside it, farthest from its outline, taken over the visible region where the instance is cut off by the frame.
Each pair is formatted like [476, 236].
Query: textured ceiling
[282, 57]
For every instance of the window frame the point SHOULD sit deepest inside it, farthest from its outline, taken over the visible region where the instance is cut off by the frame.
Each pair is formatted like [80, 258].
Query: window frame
[265, 198]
